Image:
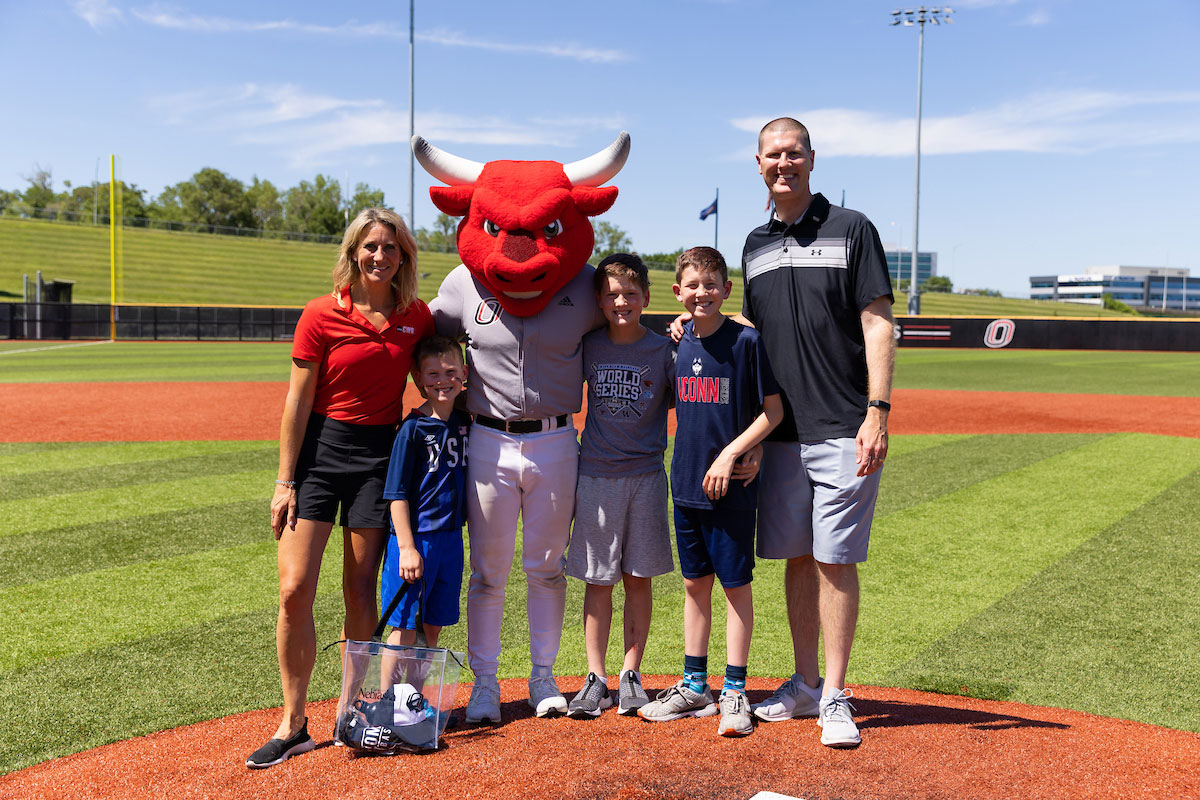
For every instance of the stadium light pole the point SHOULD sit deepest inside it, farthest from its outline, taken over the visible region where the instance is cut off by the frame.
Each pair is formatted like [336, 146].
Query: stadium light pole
[412, 163]
[909, 17]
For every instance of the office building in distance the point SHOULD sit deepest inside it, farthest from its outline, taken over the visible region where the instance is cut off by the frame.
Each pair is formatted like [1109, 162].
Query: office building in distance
[1170, 288]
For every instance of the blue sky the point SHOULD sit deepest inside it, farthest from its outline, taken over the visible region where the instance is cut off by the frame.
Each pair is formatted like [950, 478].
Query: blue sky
[1058, 134]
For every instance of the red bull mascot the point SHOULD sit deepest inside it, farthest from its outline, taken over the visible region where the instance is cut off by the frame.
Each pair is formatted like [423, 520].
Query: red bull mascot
[523, 297]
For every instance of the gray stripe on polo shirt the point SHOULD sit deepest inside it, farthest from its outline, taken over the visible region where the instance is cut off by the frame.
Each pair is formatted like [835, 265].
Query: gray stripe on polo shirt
[819, 253]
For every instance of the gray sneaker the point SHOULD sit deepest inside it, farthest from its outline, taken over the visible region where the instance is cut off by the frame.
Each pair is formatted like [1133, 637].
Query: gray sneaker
[591, 700]
[836, 721]
[679, 701]
[735, 714]
[793, 698]
[632, 695]
[484, 705]
[544, 697]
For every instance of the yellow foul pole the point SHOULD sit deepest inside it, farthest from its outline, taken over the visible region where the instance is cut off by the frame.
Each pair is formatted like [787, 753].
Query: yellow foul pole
[112, 247]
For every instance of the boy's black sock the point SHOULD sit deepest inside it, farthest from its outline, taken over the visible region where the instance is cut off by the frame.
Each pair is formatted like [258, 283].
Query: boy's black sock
[735, 679]
[695, 672]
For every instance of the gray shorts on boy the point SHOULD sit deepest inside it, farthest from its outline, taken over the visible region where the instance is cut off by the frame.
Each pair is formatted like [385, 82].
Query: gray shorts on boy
[620, 526]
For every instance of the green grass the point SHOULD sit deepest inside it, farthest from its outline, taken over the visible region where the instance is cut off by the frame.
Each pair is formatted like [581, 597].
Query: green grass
[1086, 371]
[1034, 568]
[1049, 569]
[204, 269]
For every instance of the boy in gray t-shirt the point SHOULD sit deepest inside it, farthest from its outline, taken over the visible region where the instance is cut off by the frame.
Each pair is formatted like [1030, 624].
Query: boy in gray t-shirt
[621, 530]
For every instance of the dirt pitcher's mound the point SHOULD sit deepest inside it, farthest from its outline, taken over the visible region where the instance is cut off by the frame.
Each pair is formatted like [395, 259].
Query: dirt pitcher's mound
[122, 412]
[915, 745]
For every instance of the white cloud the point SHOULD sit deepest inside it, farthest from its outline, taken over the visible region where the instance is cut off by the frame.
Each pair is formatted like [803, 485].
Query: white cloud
[1036, 19]
[1048, 122]
[163, 17]
[97, 13]
[310, 129]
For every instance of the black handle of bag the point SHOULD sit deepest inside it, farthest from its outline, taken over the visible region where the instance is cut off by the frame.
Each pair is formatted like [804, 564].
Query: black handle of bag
[392, 606]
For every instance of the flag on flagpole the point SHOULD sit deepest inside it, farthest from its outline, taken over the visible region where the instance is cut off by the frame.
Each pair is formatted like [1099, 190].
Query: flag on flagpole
[709, 210]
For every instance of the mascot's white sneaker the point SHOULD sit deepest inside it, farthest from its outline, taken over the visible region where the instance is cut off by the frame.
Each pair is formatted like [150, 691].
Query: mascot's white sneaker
[484, 704]
[545, 698]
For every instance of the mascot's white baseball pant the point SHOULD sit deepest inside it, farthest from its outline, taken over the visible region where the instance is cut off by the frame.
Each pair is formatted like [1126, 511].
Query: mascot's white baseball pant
[533, 475]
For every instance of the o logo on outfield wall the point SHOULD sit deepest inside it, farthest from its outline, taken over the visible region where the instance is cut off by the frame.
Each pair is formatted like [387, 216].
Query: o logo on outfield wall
[999, 333]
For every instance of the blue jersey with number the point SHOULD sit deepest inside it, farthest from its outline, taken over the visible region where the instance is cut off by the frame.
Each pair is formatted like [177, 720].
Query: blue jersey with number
[720, 383]
[428, 468]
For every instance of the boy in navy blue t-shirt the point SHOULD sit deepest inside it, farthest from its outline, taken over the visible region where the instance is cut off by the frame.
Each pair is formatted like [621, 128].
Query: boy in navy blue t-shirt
[726, 403]
[426, 487]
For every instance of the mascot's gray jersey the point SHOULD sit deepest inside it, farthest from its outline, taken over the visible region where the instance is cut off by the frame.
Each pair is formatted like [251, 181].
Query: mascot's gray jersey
[520, 367]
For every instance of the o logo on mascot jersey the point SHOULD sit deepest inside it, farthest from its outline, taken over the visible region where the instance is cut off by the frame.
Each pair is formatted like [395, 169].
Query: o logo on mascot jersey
[999, 333]
[488, 311]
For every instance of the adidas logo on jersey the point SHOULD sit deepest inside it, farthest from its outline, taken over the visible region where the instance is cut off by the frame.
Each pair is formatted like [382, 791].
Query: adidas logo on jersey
[566, 301]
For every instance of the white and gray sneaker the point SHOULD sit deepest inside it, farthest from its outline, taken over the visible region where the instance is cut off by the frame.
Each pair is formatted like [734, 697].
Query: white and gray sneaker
[836, 721]
[630, 693]
[484, 704]
[591, 700]
[735, 714]
[544, 697]
[679, 701]
[793, 698]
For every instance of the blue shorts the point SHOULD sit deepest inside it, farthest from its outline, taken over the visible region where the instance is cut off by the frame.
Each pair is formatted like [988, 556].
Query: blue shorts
[442, 552]
[711, 541]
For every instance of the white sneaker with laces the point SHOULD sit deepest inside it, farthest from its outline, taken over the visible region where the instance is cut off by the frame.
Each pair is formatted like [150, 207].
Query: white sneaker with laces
[793, 698]
[545, 698]
[485, 700]
[836, 721]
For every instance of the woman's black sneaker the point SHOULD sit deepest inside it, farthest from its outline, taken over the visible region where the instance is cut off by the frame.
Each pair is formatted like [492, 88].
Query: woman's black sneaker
[276, 751]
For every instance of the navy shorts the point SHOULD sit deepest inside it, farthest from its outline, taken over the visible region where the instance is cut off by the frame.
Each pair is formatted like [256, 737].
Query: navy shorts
[442, 552]
[343, 464]
[716, 541]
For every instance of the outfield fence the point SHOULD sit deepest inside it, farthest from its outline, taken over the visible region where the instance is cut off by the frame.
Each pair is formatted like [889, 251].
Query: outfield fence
[154, 322]
[260, 323]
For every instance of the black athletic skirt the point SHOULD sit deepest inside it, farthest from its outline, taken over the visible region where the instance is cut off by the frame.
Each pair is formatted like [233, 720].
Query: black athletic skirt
[343, 464]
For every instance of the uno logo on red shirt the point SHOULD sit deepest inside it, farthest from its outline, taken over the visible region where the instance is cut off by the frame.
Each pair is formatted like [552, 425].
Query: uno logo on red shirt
[488, 311]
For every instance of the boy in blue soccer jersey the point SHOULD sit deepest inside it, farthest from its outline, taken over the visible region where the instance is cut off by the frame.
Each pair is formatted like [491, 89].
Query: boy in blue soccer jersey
[426, 487]
[726, 402]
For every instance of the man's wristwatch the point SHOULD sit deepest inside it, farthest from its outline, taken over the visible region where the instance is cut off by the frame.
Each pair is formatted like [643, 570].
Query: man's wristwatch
[884, 404]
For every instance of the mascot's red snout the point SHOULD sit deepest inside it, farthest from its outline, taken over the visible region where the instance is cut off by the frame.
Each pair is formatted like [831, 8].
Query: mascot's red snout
[525, 232]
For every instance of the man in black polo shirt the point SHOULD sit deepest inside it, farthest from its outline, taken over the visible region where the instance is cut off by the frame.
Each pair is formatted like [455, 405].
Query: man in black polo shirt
[817, 289]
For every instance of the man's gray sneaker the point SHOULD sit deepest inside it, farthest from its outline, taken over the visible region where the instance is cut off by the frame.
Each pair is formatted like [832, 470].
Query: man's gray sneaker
[632, 695]
[793, 698]
[484, 704]
[735, 714]
[836, 721]
[679, 701]
[544, 697]
[591, 700]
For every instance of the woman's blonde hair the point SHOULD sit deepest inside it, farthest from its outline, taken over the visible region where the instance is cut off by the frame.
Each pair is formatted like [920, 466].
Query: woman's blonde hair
[345, 272]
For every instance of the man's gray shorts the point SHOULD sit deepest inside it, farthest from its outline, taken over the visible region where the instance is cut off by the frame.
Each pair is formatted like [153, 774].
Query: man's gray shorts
[812, 502]
[620, 526]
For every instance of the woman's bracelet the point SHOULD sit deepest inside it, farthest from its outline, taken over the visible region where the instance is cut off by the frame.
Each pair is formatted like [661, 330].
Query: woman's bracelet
[289, 484]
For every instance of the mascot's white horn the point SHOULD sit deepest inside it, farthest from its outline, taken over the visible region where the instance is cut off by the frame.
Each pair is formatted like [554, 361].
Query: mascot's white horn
[454, 170]
[599, 169]
[448, 168]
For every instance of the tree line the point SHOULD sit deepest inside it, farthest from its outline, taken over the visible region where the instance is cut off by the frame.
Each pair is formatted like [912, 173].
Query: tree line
[210, 199]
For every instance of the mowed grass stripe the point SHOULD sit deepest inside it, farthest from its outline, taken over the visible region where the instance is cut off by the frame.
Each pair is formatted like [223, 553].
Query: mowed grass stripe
[30, 515]
[40, 556]
[937, 564]
[140, 473]
[153, 361]
[138, 600]
[196, 671]
[34, 459]
[1112, 628]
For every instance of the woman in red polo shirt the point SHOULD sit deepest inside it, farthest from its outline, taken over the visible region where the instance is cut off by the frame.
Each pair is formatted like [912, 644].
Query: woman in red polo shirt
[351, 357]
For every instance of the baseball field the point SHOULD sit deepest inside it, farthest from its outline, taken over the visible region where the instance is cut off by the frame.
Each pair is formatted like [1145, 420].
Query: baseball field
[1029, 624]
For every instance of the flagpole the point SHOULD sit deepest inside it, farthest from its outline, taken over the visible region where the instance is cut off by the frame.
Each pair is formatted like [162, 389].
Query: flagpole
[717, 221]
